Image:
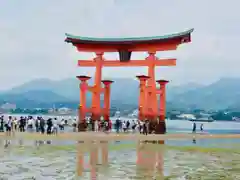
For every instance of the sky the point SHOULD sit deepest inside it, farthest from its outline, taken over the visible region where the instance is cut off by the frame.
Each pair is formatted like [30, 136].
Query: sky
[32, 37]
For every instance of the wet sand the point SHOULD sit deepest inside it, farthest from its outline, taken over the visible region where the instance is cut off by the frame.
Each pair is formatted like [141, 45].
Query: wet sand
[113, 136]
[123, 160]
[142, 162]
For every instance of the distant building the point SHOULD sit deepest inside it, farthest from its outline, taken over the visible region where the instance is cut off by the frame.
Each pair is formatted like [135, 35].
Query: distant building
[174, 112]
[186, 116]
[205, 115]
[2, 111]
[117, 114]
[64, 110]
[236, 119]
[8, 106]
[51, 110]
[38, 109]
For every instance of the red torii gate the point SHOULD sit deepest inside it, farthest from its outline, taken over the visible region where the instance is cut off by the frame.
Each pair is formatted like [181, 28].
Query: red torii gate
[148, 105]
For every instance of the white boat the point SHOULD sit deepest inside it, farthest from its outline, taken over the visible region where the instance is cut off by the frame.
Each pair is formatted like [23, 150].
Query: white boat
[236, 119]
[203, 119]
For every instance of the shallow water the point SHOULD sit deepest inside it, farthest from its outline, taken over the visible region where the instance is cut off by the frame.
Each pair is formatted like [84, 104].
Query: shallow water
[119, 160]
[204, 159]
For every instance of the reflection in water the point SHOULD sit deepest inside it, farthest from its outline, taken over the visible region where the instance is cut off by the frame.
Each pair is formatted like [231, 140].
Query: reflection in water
[104, 150]
[39, 143]
[150, 160]
[93, 149]
[7, 143]
[118, 164]
[20, 142]
[80, 159]
[93, 160]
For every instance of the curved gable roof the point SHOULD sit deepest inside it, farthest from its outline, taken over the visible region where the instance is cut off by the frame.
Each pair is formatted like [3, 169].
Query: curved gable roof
[82, 39]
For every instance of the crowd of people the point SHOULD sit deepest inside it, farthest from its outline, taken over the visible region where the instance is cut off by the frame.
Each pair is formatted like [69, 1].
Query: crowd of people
[30, 124]
[54, 125]
[135, 126]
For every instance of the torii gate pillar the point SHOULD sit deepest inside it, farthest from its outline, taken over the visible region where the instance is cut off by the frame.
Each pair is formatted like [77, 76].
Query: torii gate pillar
[82, 107]
[162, 109]
[106, 110]
[142, 97]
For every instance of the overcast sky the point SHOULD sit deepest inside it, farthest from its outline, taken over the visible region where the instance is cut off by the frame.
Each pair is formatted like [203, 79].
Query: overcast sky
[32, 37]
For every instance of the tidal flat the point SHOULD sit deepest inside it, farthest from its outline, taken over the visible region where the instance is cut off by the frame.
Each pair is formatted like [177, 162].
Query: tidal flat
[117, 160]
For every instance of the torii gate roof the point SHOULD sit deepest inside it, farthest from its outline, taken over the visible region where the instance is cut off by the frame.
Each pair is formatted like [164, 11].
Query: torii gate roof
[131, 43]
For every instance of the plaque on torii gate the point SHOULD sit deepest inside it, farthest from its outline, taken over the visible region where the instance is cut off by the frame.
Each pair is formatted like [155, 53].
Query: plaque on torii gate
[125, 47]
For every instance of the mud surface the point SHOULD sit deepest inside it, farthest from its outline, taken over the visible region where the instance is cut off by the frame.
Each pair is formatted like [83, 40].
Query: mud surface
[62, 161]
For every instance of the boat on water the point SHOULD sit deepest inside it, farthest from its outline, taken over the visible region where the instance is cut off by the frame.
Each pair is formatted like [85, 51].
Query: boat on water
[202, 119]
[237, 119]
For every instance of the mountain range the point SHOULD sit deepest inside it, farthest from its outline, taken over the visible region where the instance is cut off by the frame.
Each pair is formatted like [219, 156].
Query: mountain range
[44, 93]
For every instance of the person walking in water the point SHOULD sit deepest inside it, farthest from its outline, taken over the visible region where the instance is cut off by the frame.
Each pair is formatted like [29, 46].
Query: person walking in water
[37, 124]
[127, 125]
[201, 128]
[145, 128]
[30, 124]
[124, 126]
[42, 125]
[106, 126]
[9, 126]
[15, 124]
[21, 124]
[61, 125]
[2, 124]
[117, 125]
[55, 126]
[96, 125]
[194, 128]
[49, 126]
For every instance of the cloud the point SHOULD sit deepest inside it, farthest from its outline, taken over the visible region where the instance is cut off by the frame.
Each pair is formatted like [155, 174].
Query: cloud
[32, 36]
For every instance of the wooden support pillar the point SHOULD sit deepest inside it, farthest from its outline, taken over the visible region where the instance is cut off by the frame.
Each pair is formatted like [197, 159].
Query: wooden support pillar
[162, 109]
[152, 92]
[162, 112]
[96, 100]
[142, 97]
[82, 107]
[107, 90]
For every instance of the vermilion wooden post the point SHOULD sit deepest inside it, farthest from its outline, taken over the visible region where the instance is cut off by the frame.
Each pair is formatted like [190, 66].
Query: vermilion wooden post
[97, 89]
[142, 97]
[82, 106]
[151, 85]
[106, 110]
[162, 110]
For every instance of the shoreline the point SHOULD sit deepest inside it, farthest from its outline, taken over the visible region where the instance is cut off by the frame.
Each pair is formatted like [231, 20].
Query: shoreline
[101, 136]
